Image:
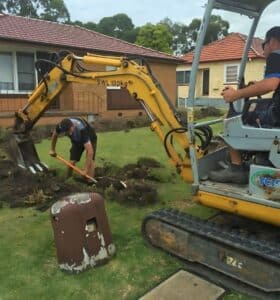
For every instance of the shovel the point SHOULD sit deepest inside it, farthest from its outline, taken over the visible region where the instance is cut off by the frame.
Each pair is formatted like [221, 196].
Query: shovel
[79, 171]
[76, 169]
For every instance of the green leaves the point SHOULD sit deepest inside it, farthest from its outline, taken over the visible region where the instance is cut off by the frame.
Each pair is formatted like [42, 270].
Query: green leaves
[51, 10]
[119, 26]
[184, 36]
[157, 37]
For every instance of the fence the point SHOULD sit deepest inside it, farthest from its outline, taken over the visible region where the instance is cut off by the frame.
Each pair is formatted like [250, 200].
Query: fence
[208, 102]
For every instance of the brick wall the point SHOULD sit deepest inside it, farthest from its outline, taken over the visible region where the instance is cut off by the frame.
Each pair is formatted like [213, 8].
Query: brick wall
[88, 99]
[11, 104]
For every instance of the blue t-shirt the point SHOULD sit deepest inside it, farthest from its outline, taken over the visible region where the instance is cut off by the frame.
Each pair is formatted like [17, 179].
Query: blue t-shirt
[273, 65]
[268, 113]
[81, 132]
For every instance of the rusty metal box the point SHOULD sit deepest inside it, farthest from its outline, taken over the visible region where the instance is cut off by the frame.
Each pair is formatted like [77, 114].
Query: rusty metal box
[81, 232]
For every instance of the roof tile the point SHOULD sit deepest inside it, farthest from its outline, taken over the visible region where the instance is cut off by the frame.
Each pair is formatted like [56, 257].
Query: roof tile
[228, 48]
[51, 33]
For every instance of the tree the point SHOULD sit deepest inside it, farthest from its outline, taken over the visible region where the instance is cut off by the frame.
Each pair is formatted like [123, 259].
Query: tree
[179, 44]
[24, 8]
[52, 10]
[217, 28]
[157, 37]
[184, 36]
[119, 26]
[88, 25]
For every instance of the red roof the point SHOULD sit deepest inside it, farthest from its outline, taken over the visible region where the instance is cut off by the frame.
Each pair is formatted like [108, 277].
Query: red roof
[50, 33]
[228, 48]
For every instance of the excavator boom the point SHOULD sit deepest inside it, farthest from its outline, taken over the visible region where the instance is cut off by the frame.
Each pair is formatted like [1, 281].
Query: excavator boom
[166, 122]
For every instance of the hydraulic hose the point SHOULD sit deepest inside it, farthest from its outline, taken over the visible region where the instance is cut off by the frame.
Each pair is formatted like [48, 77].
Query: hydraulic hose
[203, 133]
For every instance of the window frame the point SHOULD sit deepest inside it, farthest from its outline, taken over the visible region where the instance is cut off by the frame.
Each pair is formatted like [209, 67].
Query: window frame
[225, 73]
[19, 71]
[16, 90]
[184, 83]
[13, 69]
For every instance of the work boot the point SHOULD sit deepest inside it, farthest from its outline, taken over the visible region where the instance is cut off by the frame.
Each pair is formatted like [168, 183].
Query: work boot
[232, 174]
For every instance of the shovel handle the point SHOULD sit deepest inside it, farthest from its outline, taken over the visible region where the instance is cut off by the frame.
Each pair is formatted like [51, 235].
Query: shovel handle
[73, 167]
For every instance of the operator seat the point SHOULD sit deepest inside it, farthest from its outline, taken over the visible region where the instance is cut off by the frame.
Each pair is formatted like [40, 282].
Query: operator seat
[248, 138]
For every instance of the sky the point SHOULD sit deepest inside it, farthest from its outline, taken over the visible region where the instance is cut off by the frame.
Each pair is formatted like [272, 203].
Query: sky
[144, 11]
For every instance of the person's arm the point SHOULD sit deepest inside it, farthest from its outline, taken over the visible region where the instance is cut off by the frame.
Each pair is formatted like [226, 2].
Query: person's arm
[262, 87]
[89, 165]
[53, 143]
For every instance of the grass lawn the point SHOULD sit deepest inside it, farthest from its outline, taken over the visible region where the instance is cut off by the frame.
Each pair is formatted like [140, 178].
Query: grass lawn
[29, 269]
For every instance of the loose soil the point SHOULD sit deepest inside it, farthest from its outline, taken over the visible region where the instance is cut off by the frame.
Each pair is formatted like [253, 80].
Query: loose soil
[20, 188]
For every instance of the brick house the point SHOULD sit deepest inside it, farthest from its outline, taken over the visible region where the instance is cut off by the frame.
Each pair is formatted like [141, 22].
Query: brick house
[219, 66]
[24, 40]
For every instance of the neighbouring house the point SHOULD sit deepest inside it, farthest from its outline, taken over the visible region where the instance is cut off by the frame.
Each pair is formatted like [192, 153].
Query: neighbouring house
[219, 66]
[24, 40]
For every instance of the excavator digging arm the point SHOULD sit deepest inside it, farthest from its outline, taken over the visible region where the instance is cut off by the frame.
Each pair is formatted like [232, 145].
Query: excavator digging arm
[137, 79]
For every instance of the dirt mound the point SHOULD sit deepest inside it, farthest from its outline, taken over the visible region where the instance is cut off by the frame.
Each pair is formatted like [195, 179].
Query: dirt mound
[130, 184]
[20, 188]
[126, 124]
[136, 193]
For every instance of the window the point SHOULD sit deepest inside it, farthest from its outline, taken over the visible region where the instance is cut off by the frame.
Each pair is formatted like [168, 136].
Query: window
[183, 77]
[26, 72]
[17, 72]
[231, 73]
[6, 72]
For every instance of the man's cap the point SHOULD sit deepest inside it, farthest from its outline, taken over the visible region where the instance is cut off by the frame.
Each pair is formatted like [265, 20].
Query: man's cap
[274, 32]
[65, 125]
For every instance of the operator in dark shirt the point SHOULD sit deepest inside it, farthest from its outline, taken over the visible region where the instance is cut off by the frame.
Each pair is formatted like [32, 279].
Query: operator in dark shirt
[83, 137]
[236, 172]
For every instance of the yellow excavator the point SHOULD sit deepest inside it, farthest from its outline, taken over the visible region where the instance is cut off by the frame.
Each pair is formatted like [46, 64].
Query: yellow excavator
[246, 250]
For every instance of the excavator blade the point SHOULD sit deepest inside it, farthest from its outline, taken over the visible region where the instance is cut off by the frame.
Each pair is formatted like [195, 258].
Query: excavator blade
[23, 152]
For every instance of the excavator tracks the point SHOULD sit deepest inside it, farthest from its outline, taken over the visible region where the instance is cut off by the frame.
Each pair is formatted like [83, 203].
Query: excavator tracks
[238, 253]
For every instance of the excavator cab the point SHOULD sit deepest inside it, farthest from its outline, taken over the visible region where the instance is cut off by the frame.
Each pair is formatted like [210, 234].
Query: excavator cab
[239, 246]
[263, 186]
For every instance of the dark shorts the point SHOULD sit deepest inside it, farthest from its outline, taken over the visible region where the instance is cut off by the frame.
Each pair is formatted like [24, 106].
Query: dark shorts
[77, 149]
[265, 115]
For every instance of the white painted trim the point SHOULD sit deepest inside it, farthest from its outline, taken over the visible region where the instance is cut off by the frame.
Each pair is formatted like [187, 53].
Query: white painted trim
[182, 84]
[9, 92]
[13, 51]
[111, 87]
[15, 71]
[225, 72]
[183, 68]
[36, 73]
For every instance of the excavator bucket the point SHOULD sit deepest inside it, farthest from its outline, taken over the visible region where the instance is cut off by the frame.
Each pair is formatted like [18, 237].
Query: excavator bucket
[23, 152]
